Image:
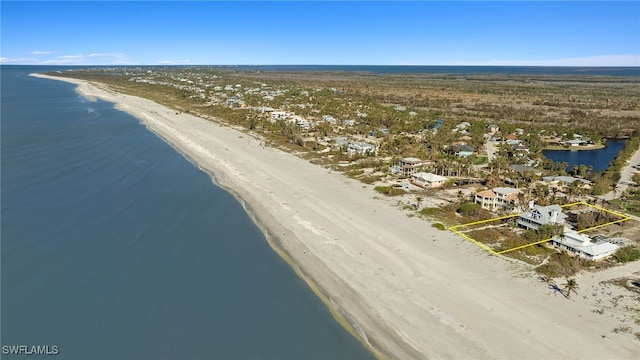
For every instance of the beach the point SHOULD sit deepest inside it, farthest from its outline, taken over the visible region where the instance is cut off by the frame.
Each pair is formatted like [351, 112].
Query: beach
[407, 289]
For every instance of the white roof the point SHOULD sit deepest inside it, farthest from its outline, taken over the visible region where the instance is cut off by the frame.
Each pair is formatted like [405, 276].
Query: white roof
[411, 159]
[582, 243]
[505, 190]
[430, 177]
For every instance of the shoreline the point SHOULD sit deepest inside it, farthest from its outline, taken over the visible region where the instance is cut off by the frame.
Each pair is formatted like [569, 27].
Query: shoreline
[414, 291]
[574, 148]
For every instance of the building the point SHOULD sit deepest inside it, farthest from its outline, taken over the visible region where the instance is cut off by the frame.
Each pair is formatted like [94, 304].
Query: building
[329, 119]
[582, 246]
[495, 198]
[428, 180]
[493, 128]
[279, 115]
[576, 142]
[540, 216]
[463, 150]
[564, 179]
[361, 148]
[409, 165]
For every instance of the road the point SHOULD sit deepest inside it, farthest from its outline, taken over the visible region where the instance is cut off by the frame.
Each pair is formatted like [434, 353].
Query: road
[491, 150]
[625, 177]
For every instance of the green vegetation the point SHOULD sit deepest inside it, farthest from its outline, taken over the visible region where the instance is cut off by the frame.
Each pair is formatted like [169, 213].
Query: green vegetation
[439, 226]
[571, 285]
[627, 254]
[390, 190]
[562, 264]
[398, 113]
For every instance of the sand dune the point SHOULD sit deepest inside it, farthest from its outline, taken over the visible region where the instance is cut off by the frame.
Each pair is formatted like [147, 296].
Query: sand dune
[411, 290]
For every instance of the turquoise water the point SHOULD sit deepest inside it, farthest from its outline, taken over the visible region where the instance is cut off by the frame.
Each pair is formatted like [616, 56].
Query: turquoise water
[114, 246]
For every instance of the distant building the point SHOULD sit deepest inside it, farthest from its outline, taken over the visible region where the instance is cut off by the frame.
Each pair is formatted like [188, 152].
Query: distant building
[361, 148]
[493, 128]
[409, 165]
[464, 150]
[495, 198]
[582, 245]
[428, 180]
[564, 179]
[341, 141]
[437, 126]
[329, 119]
[279, 115]
[576, 142]
[541, 215]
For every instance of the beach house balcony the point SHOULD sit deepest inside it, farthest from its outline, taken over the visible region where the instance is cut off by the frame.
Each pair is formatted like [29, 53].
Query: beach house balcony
[541, 215]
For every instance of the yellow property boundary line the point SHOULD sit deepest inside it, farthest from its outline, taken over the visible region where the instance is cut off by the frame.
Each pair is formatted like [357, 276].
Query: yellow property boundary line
[455, 228]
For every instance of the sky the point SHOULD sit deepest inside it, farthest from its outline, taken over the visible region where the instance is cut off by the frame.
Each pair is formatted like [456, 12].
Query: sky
[540, 33]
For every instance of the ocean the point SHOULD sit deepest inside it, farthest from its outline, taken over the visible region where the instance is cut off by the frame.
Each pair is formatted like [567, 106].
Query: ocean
[114, 246]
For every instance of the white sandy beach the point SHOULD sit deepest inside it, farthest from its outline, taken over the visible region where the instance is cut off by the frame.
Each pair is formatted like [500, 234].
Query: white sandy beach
[415, 291]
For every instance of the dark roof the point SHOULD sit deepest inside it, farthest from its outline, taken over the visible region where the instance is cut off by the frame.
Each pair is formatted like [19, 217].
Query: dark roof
[460, 148]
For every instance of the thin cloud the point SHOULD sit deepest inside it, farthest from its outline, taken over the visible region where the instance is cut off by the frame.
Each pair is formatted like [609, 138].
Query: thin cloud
[18, 61]
[40, 52]
[90, 59]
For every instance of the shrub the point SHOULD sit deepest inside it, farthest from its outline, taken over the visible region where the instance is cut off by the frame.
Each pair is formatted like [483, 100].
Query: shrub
[382, 189]
[469, 209]
[391, 191]
[355, 172]
[439, 226]
[396, 191]
[627, 254]
[370, 179]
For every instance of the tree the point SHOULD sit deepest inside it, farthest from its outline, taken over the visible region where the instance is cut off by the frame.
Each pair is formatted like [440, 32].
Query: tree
[571, 285]
[418, 202]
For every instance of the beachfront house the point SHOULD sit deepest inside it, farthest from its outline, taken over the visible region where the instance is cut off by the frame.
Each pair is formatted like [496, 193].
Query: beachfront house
[541, 215]
[583, 246]
[496, 198]
[428, 180]
[409, 165]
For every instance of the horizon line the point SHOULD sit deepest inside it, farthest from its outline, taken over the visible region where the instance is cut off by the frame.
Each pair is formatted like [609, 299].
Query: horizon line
[391, 65]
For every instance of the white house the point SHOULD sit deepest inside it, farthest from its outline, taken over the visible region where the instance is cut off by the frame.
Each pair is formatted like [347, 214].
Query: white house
[541, 215]
[409, 165]
[361, 148]
[581, 245]
[496, 197]
[428, 180]
[279, 115]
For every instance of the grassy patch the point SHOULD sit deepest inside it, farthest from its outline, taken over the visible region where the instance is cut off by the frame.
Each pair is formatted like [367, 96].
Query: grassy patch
[627, 254]
[439, 226]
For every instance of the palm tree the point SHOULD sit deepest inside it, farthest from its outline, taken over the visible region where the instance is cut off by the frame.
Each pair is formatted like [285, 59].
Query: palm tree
[418, 202]
[570, 286]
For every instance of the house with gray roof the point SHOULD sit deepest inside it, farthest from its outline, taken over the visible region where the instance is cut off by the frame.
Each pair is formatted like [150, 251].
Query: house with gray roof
[540, 216]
